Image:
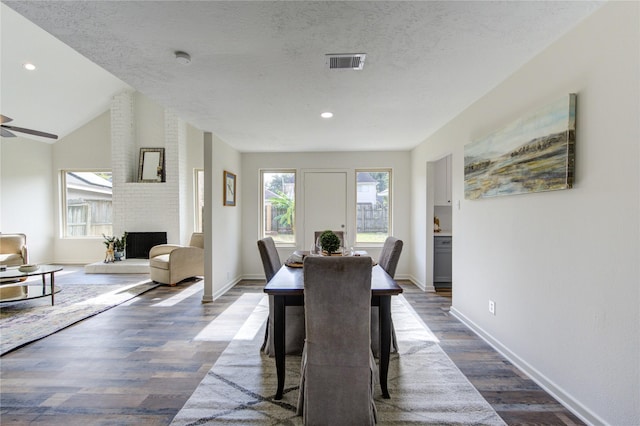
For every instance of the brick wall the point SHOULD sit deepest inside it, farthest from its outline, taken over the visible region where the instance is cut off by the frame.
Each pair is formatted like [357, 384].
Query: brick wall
[145, 207]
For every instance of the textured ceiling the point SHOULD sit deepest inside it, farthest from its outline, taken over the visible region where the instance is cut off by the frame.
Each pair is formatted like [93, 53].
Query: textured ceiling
[258, 77]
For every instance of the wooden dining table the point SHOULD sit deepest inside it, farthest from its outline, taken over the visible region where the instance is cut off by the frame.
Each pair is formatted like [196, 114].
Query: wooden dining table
[287, 289]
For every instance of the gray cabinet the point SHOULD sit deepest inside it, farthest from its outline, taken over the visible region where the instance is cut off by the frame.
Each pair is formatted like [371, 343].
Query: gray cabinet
[442, 260]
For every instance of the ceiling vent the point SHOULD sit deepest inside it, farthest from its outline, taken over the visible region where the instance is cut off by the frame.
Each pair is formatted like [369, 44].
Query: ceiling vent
[346, 61]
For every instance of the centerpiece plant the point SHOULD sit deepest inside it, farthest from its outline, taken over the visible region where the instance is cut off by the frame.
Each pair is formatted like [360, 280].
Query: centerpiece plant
[329, 242]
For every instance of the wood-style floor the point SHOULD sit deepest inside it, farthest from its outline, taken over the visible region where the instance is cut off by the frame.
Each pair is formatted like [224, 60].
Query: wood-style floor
[137, 364]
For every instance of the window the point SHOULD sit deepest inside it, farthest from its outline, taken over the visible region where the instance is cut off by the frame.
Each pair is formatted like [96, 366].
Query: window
[373, 204]
[199, 199]
[278, 206]
[87, 207]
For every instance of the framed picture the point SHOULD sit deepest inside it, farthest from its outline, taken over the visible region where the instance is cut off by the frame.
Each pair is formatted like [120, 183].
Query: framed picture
[151, 167]
[229, 190]
[533, 154]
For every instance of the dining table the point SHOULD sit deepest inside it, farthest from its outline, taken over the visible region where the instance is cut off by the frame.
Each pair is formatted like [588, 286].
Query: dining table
[287, 289]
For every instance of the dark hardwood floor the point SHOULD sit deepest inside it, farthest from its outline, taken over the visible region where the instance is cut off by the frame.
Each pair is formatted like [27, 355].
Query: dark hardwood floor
[137, 364]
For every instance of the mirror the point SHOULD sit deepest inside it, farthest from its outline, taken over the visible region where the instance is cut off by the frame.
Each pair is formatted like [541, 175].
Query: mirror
[151, 168]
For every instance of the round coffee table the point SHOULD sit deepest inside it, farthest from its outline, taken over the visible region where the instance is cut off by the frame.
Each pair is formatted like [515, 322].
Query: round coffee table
[16, 291]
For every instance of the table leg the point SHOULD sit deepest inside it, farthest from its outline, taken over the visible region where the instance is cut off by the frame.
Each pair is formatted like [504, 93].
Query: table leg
[385, 341]
[52, 286]
[278, 340]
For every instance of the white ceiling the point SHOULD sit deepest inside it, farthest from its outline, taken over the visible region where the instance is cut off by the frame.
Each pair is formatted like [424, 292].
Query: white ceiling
[258, 78]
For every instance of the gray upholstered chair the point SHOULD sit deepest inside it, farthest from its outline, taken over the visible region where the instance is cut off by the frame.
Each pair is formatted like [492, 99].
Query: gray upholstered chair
[338, 370]
[171, 263]
[389, 257]
[294, 316]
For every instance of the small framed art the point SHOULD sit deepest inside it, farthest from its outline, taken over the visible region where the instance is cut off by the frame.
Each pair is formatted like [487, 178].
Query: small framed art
[229, 190]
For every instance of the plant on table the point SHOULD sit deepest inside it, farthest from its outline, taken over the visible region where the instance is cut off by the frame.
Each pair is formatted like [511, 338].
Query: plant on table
[329, 242]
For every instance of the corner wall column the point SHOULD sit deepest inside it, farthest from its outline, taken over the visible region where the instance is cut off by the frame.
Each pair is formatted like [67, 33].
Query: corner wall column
[207, 229]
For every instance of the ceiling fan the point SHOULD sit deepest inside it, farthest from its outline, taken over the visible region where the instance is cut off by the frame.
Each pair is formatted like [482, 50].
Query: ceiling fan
[7, 131]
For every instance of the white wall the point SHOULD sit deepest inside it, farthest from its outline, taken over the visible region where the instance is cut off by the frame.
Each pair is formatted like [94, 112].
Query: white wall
[222, 224]
[561, 266]
[89, 148]
[399, 162]
[27, 194]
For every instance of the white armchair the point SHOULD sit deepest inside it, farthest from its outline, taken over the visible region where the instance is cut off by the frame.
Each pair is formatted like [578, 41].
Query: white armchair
[171, 263]
[13, 249]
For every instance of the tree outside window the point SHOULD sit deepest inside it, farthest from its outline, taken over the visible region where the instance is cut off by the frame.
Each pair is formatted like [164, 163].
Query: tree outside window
[373, 204]
[279, 206]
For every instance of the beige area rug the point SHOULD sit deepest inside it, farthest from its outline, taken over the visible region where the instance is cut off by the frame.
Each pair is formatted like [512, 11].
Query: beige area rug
[425, 385]
[29, 320]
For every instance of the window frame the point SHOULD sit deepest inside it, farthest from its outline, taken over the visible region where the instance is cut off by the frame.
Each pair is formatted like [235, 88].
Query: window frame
[388, 170]
[64, 205]
[261, 230]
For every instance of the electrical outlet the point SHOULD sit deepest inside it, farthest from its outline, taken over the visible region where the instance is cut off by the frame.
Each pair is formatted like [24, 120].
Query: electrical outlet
[492, 307]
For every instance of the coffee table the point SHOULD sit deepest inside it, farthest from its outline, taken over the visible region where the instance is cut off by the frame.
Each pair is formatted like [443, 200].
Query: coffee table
[16, 291]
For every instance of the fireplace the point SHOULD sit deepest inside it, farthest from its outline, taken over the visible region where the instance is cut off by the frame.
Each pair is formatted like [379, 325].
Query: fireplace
[139, 243]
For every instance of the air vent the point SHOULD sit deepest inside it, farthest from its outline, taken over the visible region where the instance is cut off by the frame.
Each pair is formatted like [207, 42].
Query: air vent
[346, 61]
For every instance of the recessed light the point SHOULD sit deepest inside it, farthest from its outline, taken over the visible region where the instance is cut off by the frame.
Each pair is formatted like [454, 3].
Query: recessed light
[29, 66]
[183, 58]
[326, 114]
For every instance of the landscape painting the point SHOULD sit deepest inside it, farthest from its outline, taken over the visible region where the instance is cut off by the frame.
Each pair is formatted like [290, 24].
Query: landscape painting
[535, 153]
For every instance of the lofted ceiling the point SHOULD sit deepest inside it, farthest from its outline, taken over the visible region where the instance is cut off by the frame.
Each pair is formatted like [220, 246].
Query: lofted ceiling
[259, 79]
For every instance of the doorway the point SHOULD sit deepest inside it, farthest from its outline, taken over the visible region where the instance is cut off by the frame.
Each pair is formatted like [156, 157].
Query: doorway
[325, 203]
[439, 219]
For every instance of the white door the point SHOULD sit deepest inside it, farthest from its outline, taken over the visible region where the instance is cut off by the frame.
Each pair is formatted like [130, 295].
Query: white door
[325, 203]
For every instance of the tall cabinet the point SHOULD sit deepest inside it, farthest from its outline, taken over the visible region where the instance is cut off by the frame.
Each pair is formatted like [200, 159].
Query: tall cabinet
[442, 190]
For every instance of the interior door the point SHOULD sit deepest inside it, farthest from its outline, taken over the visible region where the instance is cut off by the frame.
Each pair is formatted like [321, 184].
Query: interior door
[325, 203]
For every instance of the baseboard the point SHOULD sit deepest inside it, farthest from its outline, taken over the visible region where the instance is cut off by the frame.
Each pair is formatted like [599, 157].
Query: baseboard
[564, 398]
[224, 289]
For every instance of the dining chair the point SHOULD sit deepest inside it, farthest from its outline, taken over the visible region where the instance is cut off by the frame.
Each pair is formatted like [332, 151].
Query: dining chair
[388, 260]
[338, 371]
[294, 316]
[390, 255]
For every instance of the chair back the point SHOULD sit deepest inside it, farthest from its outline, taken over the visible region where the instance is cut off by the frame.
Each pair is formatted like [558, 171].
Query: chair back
[197, 240]
[13, 249]
[12, 243]
[270, 258]
[337, 375]
[390, 255]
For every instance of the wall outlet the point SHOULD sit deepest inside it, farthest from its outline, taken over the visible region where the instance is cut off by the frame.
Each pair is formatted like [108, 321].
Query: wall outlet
[492, 307]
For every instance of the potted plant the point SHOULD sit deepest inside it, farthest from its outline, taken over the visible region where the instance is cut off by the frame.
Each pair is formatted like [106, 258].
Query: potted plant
[329, 242]
[119, 245]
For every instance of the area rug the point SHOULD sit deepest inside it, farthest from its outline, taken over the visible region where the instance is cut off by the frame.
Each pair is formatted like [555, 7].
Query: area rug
[425, 385]
[27, 321]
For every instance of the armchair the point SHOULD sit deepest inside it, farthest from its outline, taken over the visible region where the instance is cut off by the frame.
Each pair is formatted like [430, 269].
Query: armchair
[13, 252]
[13, 249]
[171, 263]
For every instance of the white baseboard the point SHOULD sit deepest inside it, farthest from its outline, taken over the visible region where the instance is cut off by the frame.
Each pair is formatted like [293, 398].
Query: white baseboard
[563, 397]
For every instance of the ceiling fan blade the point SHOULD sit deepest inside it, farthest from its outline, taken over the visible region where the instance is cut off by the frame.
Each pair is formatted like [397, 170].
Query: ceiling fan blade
[5, 133]
[30, 132]
[5, 119]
